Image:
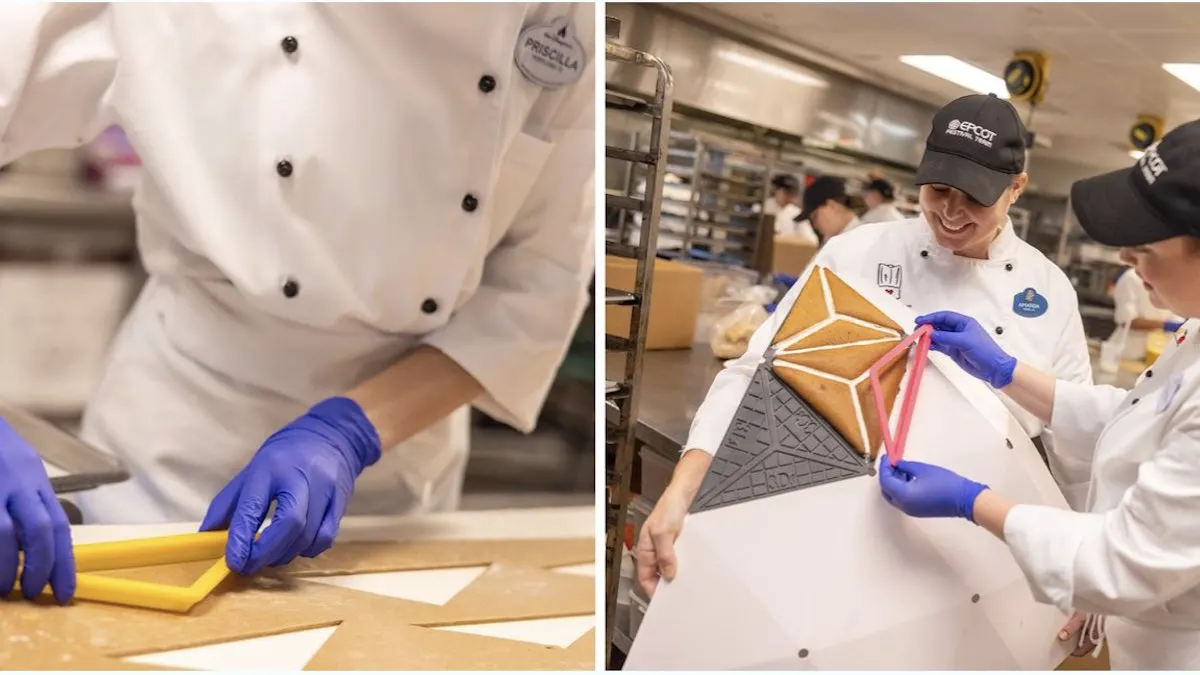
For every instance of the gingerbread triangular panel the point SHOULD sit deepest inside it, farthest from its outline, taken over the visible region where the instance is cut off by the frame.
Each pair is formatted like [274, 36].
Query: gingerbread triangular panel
[776, 444]
[807, 418]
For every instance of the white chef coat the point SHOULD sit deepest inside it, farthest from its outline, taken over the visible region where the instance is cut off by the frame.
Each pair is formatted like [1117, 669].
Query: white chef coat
[786, 224]
[433, 195]
[904, 260]
[1135, 554]
[884, 213]
[1131, 301]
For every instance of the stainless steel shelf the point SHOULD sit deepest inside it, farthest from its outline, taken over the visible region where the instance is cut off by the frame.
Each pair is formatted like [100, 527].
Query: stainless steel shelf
[615, 390]
[623, 202]
[622, 298]
[622, 397]
[624, 154]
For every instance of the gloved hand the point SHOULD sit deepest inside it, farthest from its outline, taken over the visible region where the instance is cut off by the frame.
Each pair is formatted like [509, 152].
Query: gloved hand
[32, 520]
[964, 340]
[927, 491]
[1172, 326]
[308, 469]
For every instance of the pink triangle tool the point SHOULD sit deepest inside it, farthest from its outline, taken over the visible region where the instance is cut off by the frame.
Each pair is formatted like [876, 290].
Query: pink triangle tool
[895, 446]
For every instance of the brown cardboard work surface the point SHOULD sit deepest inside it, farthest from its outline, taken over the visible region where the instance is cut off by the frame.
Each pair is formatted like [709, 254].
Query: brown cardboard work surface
[510, 593]
[373, 556]
[93, 636]
[363, 644]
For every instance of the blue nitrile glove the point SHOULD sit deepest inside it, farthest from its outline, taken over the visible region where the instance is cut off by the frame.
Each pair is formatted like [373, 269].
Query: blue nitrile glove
[786, 279]
[928, 491]
[1172, 326]
[308, 469]
[32, 520]
[964, 340]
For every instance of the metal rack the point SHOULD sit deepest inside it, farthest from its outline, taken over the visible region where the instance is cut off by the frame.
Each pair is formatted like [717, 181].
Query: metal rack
[622, 397]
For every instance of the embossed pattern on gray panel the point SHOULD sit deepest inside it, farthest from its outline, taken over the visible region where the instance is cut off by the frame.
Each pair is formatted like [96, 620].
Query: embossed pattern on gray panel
[776, 443]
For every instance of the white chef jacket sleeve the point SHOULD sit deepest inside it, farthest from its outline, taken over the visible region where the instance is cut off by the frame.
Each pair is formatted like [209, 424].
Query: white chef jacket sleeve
[1070, 460]
[714, 415]
[513, 333]
[1080, 412]
[57, 68]
[1121, 562]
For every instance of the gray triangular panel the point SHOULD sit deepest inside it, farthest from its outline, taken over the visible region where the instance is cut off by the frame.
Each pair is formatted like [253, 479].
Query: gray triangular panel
[776, 443]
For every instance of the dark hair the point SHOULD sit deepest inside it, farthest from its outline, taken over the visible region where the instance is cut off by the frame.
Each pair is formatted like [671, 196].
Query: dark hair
[785, 182]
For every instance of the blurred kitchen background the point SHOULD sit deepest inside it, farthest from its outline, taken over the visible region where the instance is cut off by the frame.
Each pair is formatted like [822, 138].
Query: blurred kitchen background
[69, 271]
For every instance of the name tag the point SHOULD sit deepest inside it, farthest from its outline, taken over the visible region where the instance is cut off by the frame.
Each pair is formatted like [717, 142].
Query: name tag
[551, 55]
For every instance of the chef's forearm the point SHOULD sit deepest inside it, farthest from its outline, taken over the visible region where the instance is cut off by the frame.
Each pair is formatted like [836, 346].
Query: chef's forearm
[991, 510]
[1033, 390]
[689, 473]
[414, 393]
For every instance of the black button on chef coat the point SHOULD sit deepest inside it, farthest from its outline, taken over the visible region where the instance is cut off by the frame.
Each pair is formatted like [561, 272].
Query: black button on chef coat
[289, 44]
[283, 168]
[487, 84]
[470, 203]
[291, 288]
[429, 306]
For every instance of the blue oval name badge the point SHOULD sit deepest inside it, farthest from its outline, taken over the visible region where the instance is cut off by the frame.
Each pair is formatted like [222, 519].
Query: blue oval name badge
[1029, 303]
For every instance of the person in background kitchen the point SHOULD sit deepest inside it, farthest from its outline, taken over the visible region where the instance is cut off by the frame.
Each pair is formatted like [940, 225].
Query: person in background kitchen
[960, 253]
[1136, 315]
[1127, 565]
[786, 192]
[338, 268]
[880, 195]
[827, 206]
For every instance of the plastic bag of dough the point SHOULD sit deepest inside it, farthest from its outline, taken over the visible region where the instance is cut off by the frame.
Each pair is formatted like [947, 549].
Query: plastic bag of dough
[731, 333]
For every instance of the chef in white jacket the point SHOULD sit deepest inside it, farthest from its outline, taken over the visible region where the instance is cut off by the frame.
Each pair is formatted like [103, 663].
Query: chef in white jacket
[880, 196]
[357, 220]
[961, 253]
[1133, 556]
[1135, 316]
[786, 192]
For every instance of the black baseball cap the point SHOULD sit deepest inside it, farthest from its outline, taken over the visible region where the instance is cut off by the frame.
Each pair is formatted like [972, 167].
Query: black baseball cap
[977, 145]
[818, 192]
[786, 181]
[883, 187]
[1157, 198]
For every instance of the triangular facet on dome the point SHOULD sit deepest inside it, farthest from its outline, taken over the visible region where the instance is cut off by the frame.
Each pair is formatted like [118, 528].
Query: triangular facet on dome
[809, 309]
[848, 362]
[776, 444]
[840, 332]
[849, 302]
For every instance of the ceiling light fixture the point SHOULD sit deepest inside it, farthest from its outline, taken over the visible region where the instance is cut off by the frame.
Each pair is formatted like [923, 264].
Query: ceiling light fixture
[1188, 72]
[793, 74]
[959, 72]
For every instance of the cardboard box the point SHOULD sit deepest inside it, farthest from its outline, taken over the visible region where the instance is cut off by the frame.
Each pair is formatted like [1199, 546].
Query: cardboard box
[791, 255]
[674, 302]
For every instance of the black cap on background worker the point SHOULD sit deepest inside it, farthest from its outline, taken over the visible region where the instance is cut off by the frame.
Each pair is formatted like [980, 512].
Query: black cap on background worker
[828, 207]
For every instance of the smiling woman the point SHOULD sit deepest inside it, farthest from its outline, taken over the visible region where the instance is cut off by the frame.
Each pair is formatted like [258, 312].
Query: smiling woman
[962, 253]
